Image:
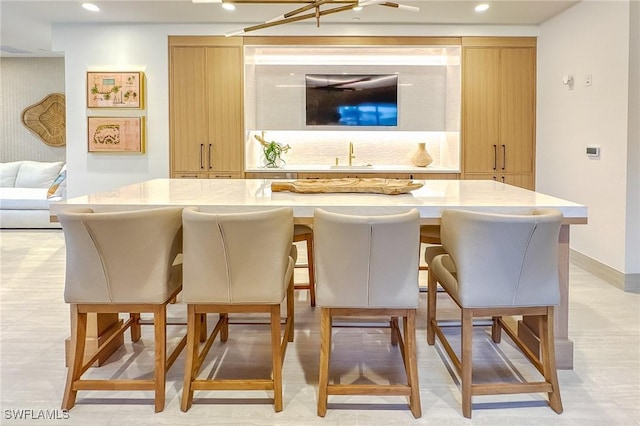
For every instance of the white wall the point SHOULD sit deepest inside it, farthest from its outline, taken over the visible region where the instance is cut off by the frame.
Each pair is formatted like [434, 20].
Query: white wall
[591, 38]
[24, 82]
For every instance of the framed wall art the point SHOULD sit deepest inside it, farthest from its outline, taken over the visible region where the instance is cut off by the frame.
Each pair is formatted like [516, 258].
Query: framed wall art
[116, 134]
[115, 89]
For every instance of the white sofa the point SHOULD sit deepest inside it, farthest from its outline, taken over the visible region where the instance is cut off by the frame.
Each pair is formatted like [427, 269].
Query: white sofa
[26, 190]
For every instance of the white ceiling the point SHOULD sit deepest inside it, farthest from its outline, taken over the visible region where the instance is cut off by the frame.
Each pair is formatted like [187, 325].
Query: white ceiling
[25, 25]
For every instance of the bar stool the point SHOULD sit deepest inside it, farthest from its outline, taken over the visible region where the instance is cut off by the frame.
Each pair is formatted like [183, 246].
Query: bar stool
[499, 265]
[236, 263]
[305, 233]
[368, 266]
[429, 234]
[121, 262]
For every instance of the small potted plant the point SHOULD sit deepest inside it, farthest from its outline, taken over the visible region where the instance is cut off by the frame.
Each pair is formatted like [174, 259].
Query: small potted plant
[272, 152]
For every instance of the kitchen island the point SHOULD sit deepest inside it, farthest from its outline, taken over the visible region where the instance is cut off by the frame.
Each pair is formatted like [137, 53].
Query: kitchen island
[239, 195]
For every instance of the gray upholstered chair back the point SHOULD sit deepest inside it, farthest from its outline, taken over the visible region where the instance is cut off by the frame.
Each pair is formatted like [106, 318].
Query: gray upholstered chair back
[121, 257]
[237, 258]
[367, 261]
[502, 260]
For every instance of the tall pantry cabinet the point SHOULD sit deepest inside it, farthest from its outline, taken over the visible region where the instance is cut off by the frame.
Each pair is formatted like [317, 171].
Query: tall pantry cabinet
[206, 107]
[498, 109]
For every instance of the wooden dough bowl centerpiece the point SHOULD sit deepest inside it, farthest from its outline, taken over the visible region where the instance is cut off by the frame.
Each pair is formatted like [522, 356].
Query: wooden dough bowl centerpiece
[363, 185]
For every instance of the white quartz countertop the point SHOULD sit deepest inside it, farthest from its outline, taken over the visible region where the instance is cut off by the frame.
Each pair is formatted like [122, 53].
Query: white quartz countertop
[356, 168]
[234, 195]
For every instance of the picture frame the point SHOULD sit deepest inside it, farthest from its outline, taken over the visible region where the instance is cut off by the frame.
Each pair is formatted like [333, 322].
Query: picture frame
[116, 135]
[115, 89]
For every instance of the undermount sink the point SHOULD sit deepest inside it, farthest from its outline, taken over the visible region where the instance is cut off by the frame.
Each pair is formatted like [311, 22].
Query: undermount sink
[361, 167]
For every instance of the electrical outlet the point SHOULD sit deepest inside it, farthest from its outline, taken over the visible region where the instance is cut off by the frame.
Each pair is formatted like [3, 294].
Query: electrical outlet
[587, 80]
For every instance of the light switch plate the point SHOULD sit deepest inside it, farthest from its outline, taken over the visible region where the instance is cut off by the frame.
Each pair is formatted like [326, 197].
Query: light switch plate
[588, 80]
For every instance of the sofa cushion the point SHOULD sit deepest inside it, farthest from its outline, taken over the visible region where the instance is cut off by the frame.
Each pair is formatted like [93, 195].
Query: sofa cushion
[36, 174]
[24, 199]
[8, 173]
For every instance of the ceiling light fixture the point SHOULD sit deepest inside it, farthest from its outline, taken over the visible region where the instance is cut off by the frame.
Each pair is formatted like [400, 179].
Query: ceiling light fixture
[228, 6]
[313, 7]
[482, 7]
[91, 7]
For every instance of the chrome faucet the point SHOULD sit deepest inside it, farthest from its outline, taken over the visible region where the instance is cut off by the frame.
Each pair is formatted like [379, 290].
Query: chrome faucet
[351, 156]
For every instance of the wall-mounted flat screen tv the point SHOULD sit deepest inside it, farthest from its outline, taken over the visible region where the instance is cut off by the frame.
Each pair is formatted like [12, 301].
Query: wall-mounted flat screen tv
[352, 99]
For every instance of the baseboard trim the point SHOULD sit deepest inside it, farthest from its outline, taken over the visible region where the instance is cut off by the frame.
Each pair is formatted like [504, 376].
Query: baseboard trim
[625, 282]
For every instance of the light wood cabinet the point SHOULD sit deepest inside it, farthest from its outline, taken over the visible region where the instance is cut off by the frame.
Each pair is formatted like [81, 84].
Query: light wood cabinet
[498, 109]
[522, 180]
[206, 107]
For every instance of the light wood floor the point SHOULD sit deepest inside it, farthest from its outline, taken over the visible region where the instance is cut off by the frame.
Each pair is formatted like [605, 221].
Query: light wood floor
[602, 389]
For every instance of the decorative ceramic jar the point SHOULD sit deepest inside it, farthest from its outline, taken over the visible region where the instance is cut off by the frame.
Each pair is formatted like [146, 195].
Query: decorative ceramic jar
[421, 158]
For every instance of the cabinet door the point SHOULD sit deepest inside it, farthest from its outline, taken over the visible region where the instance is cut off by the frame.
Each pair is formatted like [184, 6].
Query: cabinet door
[498, 110]
[434, 176]
[517, 116]
[481, 108]
[225, 112]
[188, 111]
[226, 175]
[520, 180]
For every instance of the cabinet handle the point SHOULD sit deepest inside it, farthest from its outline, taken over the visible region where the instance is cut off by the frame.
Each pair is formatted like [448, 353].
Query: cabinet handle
[504, 157]
[495, 157]
[201, 156]
[209, 157]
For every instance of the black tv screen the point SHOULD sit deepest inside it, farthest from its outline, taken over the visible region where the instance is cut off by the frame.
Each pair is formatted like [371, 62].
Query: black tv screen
[352, 99]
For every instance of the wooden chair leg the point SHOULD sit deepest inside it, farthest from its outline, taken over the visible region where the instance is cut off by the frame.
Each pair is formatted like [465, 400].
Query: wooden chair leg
[276, 357]
[202, 328]
[467, 360]
[394, 331]
[325, 358]
[224, 330]
[496, 330]
[432, 295]
[160, 371]
[548, 355]
[190, 371]
[411, 364]
[78, 337]
[308, 239]
[136, 333]
[290, 309]
[312, 279]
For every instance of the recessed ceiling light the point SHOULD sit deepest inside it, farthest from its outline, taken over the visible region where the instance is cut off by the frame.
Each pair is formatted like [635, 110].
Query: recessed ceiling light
[90, 6]
[357, 8]
[482, 7]
[228, 6]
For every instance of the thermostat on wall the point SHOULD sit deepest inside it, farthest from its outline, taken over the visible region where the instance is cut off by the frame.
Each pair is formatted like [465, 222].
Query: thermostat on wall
[593, 151]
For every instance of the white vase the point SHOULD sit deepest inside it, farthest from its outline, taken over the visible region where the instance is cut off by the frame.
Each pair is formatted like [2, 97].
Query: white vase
[421, 158]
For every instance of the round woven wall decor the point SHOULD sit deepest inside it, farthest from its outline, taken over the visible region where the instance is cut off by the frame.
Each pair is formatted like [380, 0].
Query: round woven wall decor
[46, 119]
